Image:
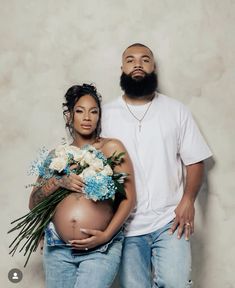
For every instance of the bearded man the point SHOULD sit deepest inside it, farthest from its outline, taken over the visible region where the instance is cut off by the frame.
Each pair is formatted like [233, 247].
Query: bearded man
[162, 140]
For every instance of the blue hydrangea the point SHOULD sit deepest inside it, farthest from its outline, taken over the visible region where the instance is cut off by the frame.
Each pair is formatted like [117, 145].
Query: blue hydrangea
[40, 166]
[101, 156]
[99, 187]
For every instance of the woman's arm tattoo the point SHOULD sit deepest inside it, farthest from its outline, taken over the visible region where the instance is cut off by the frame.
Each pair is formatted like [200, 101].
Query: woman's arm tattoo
[44, 190]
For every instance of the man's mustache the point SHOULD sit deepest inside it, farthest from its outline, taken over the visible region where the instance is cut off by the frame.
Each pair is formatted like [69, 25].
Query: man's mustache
[137, 70]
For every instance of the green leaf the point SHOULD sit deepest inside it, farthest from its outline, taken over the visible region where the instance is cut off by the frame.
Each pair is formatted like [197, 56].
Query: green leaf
[34, 223]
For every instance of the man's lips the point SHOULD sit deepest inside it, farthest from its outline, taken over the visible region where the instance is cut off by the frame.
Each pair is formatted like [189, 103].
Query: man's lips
[138, 72]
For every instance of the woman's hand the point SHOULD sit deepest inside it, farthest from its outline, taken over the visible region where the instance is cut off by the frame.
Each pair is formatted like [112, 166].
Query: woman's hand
[72, 182]
[96, 238]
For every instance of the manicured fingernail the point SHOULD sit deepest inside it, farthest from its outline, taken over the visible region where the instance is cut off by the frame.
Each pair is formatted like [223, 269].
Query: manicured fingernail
[170, 232]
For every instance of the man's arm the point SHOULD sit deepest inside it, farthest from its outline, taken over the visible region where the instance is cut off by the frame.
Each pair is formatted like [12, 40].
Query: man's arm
[185, 210]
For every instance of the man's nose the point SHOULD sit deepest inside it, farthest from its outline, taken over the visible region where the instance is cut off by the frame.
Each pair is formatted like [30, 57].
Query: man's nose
[138, 64]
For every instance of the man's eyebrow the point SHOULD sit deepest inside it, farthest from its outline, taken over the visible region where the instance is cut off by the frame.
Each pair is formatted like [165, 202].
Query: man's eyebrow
[143, 56]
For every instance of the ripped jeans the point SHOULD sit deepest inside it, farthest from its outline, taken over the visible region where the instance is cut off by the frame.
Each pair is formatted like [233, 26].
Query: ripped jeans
[69, 268]
[156, 260]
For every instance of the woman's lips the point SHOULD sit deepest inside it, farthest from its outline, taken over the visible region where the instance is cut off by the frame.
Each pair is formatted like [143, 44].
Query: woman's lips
[86, 126]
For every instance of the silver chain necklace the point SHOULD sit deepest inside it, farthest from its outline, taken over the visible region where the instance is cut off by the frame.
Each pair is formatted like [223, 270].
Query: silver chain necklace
[145, 112]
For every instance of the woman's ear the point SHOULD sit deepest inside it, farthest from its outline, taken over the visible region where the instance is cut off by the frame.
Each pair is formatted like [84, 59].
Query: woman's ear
[68, 118]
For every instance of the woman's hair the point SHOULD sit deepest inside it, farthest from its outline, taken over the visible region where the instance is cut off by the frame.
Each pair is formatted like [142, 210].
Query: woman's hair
[73, 94]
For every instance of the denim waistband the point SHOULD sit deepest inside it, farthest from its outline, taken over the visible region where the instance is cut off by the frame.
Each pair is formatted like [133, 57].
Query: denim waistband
[52, 239]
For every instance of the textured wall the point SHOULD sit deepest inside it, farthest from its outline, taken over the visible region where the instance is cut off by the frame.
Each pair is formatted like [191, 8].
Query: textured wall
[46, 46]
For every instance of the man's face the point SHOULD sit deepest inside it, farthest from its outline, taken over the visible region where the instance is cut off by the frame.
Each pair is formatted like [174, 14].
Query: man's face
[137, 61]
[138, 77]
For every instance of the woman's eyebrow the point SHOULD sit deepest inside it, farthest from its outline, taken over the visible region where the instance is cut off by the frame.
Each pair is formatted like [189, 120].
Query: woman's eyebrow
[80, 106]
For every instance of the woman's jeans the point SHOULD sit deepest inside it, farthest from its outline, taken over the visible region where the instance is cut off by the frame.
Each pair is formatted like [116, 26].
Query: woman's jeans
[155, 260]
[69, 268]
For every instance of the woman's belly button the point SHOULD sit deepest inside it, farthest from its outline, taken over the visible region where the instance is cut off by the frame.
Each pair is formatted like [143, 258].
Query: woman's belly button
[72, 214]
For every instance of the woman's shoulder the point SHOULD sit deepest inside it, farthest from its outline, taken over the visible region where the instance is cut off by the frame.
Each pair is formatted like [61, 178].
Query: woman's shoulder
[110, 145]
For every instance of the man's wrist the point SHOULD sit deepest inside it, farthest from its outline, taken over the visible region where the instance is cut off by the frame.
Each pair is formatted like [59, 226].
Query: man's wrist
[189, 197]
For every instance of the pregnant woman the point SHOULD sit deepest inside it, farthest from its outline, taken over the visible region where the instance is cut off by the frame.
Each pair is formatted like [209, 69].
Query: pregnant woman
[83, 243]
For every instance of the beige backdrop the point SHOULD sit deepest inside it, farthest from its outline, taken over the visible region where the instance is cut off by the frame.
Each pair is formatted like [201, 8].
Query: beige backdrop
[46, 46]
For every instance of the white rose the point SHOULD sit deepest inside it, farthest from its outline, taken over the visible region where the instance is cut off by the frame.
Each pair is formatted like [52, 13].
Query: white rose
[88, 158]
[88, 172]
[97, 164]
[77, 153]
[58, 164]
[107, 171]
[72, 150]
[90, 148]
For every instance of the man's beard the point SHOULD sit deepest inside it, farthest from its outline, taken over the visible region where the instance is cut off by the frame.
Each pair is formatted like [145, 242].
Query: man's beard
[141, 86]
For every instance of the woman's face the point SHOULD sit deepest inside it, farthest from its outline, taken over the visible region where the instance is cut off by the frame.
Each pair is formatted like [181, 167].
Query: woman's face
[86, 115]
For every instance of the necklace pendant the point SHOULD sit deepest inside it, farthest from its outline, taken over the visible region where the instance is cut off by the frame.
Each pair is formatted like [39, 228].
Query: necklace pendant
[145, 113]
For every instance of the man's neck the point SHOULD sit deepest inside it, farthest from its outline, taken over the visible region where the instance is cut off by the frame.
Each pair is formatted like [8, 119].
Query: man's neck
[138, 100]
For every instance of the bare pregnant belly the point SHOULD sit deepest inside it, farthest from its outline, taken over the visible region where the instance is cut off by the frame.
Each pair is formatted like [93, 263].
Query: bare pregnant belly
[75, 212]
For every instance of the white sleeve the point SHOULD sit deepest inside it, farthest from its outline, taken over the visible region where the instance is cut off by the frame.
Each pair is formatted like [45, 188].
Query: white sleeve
[192, 146]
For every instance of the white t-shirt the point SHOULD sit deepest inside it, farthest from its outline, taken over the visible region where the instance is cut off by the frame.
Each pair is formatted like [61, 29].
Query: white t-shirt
[168, 137]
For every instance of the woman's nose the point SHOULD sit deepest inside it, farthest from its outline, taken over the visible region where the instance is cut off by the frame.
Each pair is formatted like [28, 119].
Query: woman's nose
[86, 116]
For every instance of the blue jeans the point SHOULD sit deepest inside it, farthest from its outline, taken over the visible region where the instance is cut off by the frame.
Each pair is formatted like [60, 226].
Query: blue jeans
[68, 268]
[155, 260]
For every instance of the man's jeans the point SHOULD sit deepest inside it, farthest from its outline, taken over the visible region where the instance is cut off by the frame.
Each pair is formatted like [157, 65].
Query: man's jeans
[68, 268]
[155, 260]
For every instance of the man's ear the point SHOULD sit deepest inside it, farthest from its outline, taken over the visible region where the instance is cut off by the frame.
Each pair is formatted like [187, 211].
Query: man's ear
[155, 66]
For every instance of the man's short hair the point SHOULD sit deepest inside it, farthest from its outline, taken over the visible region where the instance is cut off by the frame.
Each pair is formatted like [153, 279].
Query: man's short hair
[140, 45]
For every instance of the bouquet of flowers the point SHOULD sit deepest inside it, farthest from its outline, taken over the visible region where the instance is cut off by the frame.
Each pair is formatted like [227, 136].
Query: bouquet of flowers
[92, 166]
